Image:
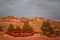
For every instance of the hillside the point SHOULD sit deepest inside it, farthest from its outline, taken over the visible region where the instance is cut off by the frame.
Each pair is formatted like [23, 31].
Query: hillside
[23, 26]
[35, 22]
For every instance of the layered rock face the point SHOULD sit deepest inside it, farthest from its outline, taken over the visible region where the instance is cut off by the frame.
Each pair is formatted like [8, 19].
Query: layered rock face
[35, 23]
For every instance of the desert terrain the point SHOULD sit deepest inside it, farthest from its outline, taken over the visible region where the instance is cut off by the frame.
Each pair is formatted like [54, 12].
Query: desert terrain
[35, 37]
[35, 23]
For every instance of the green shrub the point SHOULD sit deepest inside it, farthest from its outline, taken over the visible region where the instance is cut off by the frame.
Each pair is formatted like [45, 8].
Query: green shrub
[18, 27]
[11, 27]
[27, 26]
[47, 29]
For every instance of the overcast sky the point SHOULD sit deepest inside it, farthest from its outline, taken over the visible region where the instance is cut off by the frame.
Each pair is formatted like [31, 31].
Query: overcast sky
[30, 8]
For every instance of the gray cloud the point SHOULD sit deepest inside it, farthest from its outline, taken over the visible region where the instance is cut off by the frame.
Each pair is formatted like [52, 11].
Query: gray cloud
[30, 8]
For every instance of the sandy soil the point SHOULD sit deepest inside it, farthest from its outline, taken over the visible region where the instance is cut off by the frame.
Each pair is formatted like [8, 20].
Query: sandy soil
[35, 37]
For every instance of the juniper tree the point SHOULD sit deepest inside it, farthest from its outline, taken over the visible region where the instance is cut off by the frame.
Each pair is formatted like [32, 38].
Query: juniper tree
[47, 29]
[10, 28]
[18, 27]
[27, 26]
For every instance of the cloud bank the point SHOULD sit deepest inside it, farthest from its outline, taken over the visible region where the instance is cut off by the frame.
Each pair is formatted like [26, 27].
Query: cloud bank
[30, 8]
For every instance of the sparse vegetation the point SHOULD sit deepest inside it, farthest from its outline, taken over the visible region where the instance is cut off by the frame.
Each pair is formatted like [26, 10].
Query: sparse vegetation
[18, 32]
[27, 26]
[11, 27]
[18, 28]
[47, 29]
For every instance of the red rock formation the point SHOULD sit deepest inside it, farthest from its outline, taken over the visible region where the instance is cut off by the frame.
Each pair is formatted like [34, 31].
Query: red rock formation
[35, 22]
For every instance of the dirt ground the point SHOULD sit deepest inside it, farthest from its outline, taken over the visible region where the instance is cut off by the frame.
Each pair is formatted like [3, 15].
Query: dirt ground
[35, 37]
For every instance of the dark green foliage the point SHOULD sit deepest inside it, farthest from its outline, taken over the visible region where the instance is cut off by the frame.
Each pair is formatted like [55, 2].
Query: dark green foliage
[11, 27]
[47, 29]
[1, 29]
[18, 27]
[27, 26]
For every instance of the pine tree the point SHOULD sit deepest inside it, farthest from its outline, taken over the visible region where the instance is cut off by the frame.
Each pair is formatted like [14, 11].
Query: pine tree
[27, 26]
[47, 29]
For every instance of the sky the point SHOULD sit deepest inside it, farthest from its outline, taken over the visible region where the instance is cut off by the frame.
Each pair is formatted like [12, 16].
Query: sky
[30, 8]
